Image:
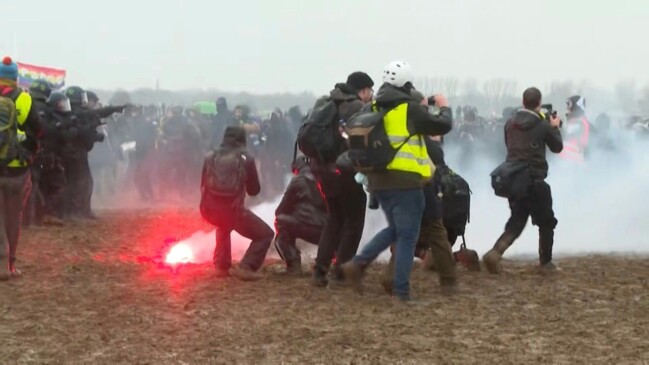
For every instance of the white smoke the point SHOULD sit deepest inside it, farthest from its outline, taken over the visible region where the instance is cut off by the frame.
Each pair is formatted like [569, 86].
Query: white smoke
[201, 244]
[601, 206]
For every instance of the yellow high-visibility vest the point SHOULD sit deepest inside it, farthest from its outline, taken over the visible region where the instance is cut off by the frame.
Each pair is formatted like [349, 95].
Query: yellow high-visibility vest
[23, 107]
[413, 155]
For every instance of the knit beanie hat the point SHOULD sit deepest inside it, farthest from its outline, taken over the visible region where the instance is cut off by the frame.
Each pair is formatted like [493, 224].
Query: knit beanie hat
[359, 81]
[8, 69]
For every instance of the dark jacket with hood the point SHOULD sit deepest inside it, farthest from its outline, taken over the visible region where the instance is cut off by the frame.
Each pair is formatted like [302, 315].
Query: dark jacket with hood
[234, 138]
[302, 200]
[420, 122]
[526, 136]
[332, 178]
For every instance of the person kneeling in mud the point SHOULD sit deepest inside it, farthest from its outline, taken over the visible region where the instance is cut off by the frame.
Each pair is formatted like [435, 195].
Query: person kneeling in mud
[301, 214]
[229, 172]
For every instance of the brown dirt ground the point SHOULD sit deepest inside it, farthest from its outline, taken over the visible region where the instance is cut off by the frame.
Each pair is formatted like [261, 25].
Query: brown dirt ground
[88, 296]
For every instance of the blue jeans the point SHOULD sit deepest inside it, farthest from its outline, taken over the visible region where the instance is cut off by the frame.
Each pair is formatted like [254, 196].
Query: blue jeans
[403, 210]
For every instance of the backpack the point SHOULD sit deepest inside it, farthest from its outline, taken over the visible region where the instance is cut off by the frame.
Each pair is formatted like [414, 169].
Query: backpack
[9, 146]
[318, 137]
[456, 199]
[226, 174]
[368, 142]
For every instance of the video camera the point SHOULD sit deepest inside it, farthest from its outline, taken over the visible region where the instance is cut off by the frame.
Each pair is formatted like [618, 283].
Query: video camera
[548, 110]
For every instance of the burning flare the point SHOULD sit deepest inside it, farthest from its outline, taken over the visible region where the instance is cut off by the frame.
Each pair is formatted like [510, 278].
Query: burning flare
[180, 253]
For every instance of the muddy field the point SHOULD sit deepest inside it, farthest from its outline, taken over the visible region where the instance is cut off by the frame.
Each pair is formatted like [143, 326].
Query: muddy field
[92, 293]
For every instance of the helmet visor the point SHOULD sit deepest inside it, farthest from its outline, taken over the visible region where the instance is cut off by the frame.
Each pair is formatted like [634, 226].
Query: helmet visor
[63, 105]
[84, 99]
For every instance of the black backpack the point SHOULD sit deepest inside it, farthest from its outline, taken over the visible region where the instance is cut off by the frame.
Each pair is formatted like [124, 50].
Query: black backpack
[318, 137]
[368, 143]
[226, 174]
[456, 199]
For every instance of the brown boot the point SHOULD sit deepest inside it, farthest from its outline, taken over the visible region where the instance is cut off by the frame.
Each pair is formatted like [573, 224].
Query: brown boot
[387, 278]
[492, 258]
[243, 273]
[50, 220]
[222, 273]
[353, 274]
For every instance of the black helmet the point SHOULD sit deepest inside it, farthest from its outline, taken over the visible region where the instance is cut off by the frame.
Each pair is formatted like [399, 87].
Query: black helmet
[77, 95]
[576, 102]
[92, 96]
[40, 89]
[59, 102]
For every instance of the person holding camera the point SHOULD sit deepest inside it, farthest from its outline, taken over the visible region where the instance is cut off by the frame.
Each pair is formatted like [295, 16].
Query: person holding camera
[527, 134]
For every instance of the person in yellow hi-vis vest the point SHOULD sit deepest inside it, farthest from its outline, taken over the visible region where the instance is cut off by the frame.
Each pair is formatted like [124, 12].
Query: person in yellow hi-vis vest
[19, 130]
[398, 188]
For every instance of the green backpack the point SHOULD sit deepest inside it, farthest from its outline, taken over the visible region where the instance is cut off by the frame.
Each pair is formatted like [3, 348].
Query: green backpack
[9, 146]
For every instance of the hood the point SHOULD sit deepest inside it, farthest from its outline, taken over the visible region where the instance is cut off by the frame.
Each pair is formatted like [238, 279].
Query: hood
[222, 108]
[526, 119]
[343, 92]
[234, 137]
[391, 95]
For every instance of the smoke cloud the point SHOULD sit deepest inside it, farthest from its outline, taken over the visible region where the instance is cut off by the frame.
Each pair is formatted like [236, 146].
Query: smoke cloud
[601, 207]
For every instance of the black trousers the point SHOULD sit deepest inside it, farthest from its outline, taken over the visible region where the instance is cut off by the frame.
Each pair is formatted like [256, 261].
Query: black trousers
[87, 185]
[75, 185]
[144, 170]
[538, 205]
[249, 225]
[288, 231]
[342, 232]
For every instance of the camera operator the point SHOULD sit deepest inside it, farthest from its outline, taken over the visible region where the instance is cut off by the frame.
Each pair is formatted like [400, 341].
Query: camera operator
[527, 134]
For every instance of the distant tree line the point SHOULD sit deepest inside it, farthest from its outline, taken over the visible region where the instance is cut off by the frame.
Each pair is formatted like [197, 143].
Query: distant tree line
[489, 96]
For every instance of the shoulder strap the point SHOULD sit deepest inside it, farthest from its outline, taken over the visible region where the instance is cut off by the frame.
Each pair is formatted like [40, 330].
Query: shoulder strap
[11, 93]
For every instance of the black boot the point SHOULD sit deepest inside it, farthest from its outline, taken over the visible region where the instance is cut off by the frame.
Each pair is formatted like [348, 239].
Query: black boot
[319, 278]
[546, 242]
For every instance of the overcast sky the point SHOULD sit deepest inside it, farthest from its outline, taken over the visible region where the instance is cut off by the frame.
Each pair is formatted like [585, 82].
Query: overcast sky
[297, 45]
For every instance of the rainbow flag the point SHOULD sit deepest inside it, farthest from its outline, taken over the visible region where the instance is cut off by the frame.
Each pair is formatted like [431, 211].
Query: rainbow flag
[28, 73]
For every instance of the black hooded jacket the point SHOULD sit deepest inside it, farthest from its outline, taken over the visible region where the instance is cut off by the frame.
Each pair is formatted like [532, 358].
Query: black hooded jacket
[420, 122]
[302, 200]
[332, 179]
[235, 138]
[526, 138]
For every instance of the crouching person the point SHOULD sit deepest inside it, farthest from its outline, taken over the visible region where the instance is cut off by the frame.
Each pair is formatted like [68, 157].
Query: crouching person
[229, 172]
[301, 214]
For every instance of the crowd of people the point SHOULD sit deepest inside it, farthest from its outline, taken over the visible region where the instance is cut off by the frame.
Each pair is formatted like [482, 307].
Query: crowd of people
[354, 150]
[390, 146]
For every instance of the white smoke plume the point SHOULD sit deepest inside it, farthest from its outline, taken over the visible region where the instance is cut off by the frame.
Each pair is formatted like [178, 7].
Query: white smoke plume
[199, 247]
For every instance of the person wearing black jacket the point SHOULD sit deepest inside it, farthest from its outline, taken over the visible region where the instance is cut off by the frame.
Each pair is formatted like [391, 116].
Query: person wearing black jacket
[58, 134]
[526, 135]
[399, 188]
[230, 214]
[301, 214]
[77, 165]
[33, 212]
[345, 198]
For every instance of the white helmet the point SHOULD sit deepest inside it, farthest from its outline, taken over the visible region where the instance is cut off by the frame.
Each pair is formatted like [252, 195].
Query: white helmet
[397, 73]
